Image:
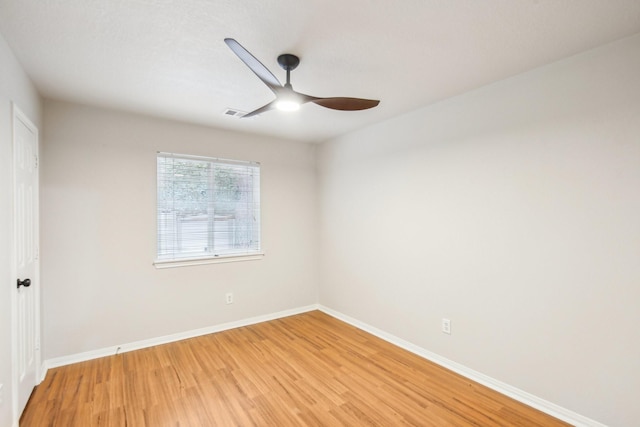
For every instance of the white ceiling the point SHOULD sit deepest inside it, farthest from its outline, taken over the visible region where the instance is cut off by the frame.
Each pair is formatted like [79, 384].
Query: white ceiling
[167, 57]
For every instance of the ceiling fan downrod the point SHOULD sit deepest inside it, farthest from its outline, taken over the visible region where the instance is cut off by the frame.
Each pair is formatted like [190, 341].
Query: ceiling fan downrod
[288, 62]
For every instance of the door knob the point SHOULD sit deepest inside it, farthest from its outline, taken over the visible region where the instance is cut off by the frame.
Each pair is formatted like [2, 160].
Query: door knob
[26, 283]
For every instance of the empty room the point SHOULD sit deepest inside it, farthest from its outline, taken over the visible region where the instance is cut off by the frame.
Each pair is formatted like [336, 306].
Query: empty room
[319, 213]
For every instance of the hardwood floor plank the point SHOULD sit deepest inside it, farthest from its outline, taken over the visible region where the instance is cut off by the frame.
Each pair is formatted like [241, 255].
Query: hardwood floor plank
[304, 370]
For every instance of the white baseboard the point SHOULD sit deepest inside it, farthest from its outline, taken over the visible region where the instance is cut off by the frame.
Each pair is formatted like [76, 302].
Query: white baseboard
[503, 388]
[117, 349]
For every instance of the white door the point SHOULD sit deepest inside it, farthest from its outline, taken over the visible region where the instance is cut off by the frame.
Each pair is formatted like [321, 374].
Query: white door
[25, 303]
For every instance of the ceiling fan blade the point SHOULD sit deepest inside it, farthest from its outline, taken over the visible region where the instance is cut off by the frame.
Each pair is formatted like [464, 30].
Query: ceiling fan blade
[269, 106]
[256, 66]
[344, 104]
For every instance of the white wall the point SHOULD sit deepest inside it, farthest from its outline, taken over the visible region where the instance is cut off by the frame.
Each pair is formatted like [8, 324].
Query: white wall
[99, 231]
[15, 87]
[513, 210]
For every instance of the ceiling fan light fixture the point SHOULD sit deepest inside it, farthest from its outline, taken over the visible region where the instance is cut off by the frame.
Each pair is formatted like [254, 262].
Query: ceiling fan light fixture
[288, 99]
[288, 105]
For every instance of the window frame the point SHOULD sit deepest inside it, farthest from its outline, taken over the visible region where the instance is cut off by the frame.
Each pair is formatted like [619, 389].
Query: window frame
[161, 262]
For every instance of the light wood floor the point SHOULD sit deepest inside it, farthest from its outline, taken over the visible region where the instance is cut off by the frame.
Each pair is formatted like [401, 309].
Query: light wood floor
[309, 369]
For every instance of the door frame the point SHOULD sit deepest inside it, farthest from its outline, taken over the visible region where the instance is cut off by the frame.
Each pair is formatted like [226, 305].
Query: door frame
[19, 116]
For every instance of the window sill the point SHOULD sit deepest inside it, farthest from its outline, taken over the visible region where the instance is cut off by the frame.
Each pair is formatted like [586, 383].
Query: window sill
[185, 262]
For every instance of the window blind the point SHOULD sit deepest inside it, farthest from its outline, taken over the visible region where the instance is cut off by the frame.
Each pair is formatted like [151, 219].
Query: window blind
[207, 207]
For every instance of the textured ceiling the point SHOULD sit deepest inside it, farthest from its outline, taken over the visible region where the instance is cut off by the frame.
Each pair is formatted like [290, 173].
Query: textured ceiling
[167, 57]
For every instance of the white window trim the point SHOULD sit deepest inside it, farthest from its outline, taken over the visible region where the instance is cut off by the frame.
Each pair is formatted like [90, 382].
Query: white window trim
[186, 262]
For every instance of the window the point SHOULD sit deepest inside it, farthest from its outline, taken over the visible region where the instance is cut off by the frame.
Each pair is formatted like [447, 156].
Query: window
[207, 208]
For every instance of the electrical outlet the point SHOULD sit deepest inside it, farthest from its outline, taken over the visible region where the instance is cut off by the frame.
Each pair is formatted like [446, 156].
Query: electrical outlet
[1, 394]
[229, 298]
[446, 326]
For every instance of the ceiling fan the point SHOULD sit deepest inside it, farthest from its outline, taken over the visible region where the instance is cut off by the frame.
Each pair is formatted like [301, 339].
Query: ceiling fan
[288, 99]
